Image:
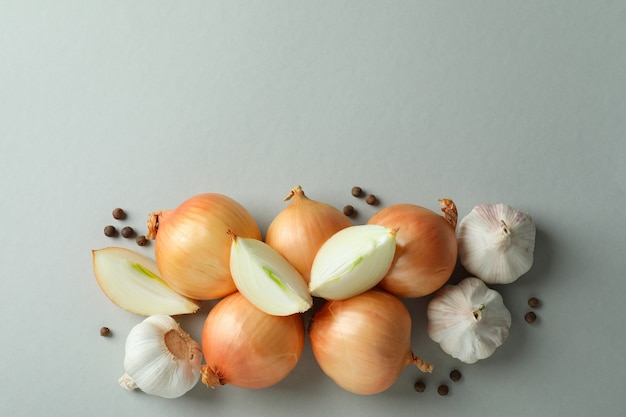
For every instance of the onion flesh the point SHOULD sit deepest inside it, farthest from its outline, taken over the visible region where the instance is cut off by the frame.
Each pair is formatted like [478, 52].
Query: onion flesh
[352, 261]
[426, 248]
[248, 348]
[192, 247]
[266, 279]
[363, 343]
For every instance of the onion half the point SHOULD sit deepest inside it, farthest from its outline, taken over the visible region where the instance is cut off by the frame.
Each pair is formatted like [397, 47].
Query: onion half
[363, 343]
[192, 247]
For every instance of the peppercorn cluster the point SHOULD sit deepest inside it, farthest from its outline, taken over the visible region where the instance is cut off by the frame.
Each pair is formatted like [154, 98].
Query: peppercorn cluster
[358, 192]
[531, 317]
[442, 389]
[127, 232]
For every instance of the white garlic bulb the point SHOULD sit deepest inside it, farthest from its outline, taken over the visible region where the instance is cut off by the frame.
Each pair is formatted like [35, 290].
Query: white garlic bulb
[161, 359]
[468, 320]
[496, 243]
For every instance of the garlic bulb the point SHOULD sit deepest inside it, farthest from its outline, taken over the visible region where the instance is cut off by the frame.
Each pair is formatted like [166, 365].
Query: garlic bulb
[352, 261]
[496, 243]
[266, 279]
[468, 320]
[161, 359]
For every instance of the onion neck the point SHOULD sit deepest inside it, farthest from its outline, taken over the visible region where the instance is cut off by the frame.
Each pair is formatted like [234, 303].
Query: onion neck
[450, 213]
[296, 192]
[153, 222]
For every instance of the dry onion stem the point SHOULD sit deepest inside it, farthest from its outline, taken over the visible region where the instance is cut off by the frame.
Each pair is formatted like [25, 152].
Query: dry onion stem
[450, 212]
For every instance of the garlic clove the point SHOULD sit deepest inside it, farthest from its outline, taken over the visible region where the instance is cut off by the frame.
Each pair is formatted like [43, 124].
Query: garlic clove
[161, 358]
[266, 279]
[352, 261]
[131, 281]
[468, 320]
[496, 243]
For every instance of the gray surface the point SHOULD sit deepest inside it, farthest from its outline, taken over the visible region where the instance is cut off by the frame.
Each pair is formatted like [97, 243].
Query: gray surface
[144, 104]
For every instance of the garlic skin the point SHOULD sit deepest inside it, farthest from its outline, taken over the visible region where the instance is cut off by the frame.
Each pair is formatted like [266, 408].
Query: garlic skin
[161, 359]
[468, 320]
[496, 243]
[352, 261]
[266, 279]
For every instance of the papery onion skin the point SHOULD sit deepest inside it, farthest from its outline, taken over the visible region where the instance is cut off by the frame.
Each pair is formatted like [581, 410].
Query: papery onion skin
[192, 247]
[426, 248]
[248, 348]
[301, 228]
[363, 343]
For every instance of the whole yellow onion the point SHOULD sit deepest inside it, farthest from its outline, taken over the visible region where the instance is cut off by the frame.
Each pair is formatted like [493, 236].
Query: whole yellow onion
[363, 342]
[192, 245]
[248, 348]
[426, 248]
[299, 231]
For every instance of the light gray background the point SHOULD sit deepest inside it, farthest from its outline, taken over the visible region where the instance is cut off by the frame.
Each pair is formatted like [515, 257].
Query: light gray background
[142, 104]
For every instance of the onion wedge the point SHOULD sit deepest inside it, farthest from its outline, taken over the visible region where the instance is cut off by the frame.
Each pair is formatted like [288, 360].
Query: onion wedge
[132, 281]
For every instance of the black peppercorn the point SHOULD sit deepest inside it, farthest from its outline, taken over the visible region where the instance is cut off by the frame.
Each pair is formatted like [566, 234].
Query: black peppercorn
[533, 302]
[442, 389]
[420, 386]
[142, 241]
[110, 231]
[128, 232]
[357, 191]
[530, 317]
[119, 214]
[105, 331]
[455, 375]
[371, 200]
[348, 210]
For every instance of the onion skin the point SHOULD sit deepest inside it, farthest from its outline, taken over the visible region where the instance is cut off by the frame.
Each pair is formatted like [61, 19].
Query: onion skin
[247, 348]
[300, 229]
[363, 343]
[192, 247]
[426, 248]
